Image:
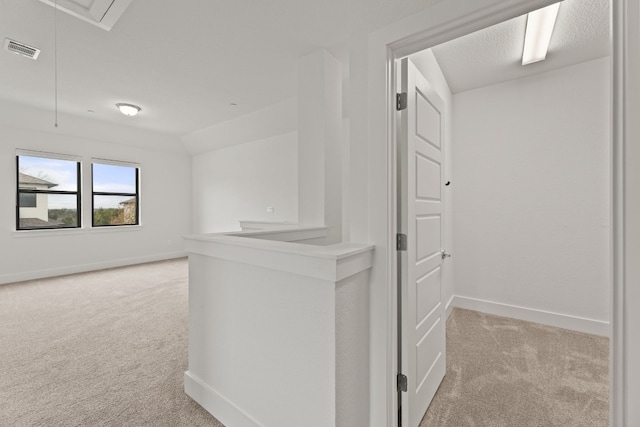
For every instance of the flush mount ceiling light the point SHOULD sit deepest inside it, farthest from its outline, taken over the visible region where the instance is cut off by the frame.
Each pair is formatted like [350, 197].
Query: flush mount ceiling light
[540, 25]
[128, 109]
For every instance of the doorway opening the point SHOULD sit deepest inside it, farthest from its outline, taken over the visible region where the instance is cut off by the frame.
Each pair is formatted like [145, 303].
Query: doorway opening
[508, 194]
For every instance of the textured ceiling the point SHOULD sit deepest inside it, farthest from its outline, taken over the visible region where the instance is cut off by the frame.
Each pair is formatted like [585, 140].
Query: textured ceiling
[494, 54]
[186, 62]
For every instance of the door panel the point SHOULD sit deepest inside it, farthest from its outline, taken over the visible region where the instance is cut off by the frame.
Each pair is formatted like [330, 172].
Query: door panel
[428, 124]
[427, 294]
[427, 354]
[428, 178]
[421, 310]
[428, 236]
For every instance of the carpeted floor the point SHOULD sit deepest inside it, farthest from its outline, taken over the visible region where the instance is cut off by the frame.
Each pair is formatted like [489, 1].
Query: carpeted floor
[109, 348]
[504, 372]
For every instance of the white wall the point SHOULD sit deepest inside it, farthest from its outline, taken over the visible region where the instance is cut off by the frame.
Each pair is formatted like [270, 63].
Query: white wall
[278, 331]
[239, 182]
[237, 321]
[320, 142]
[276, 119]
[244, 165]
[532, 180]
[165, 205]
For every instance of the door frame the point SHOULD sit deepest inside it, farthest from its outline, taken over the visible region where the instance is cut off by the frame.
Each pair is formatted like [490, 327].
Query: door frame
[437, 24]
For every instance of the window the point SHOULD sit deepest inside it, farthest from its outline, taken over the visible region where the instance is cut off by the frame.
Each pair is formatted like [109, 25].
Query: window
[115, 194]
[47, 192]
[28, 200]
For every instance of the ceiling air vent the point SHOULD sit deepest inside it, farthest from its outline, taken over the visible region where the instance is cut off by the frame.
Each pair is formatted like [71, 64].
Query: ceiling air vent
[21, 49]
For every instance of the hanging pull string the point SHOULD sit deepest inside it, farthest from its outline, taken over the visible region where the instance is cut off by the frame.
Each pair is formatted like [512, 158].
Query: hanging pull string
[55, 60]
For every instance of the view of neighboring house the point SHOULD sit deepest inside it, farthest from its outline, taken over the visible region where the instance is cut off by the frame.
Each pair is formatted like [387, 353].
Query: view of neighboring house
[34, 208]
[129, 207]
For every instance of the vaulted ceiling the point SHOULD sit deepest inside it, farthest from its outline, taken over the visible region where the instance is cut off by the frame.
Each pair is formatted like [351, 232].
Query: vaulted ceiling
[193, 63]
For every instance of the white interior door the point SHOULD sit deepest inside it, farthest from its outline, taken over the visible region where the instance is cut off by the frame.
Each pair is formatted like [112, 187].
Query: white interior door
[420, 209]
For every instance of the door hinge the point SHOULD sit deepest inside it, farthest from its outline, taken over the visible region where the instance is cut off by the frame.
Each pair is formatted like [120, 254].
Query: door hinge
[401, 101]
[401, 242]
[402, 382]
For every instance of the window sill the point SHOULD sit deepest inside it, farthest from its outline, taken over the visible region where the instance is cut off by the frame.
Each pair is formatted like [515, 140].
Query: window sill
[45, 232]
[115, 228]
[75, 231]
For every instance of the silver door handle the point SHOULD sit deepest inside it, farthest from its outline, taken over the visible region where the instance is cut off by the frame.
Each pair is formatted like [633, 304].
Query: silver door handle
[445, 254]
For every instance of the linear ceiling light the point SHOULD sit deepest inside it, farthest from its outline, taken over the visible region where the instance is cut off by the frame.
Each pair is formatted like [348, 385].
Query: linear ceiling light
[540, 25]
[128, 109]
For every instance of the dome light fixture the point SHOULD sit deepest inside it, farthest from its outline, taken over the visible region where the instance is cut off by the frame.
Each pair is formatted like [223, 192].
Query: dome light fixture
[128, 109]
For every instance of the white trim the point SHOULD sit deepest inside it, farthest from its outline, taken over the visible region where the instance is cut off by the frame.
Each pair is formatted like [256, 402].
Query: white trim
[616, 344]
[48, 155]
[250, 225]
[114, 162]
[330, 263]
[215, 403]
[393, 338]
[46, 232]
[115, 228]
[284, 234]
[558, 320]
[622, 37]
[83, 268]
[450, 305]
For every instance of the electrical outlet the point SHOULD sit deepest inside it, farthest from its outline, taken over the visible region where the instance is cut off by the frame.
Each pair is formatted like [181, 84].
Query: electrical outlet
[270, 209]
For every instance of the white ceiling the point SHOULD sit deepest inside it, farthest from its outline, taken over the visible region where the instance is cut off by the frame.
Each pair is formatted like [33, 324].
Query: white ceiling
[185, 62]
[494, 54]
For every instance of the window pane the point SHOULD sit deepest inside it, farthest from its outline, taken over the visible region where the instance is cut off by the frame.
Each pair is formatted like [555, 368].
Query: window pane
[51, 211]
[40, 173]
[114, 210]
[28, 200]
[114, 179]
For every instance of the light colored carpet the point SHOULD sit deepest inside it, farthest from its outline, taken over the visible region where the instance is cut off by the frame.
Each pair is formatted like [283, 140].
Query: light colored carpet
[504, 372]
[109, 348]
[106, 348]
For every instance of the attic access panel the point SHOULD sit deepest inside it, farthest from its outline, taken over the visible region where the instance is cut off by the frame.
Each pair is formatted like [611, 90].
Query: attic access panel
[101, 13]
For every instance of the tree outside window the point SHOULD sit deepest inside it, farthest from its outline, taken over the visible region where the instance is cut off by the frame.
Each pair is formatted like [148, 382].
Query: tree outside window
[115, 195]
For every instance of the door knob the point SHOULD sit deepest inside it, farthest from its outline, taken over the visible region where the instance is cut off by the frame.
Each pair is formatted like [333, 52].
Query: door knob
[445, 254]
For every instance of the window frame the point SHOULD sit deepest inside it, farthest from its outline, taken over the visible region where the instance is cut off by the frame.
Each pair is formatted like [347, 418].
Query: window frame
[135, 195]
[77, 193]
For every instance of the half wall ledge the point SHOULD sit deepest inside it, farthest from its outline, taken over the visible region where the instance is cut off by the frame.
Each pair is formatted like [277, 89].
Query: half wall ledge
[278, 328]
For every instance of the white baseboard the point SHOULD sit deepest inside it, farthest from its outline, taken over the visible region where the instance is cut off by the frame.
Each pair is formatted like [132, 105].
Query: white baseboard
[449, 307]
[73, 269]
[580, 324]
[216, 404]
